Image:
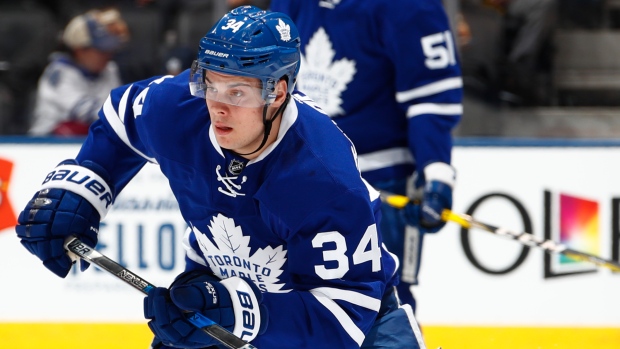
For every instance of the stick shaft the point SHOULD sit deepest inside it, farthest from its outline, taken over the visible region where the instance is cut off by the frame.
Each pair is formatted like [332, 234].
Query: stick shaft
[529, 239]
[468, 222]
[89, 254]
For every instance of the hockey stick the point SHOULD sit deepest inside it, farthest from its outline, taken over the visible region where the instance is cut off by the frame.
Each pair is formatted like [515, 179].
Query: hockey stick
[528, 239]
[89, 254]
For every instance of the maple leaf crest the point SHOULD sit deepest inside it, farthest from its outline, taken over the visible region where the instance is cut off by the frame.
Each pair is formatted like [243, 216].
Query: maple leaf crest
[320, 77]
[230, 255]
[284, 30]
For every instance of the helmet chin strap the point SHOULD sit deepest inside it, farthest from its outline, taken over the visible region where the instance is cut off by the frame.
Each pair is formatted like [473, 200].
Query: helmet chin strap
[268, 124]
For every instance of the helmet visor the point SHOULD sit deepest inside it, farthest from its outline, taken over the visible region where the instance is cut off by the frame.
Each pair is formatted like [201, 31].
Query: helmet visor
[234, 92]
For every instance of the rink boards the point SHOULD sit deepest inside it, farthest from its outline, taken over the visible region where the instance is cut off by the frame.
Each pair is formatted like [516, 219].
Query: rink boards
[475, 288]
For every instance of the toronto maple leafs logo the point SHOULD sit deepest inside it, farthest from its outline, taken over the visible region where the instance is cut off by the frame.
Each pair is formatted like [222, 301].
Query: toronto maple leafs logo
[284, 30]
[230, 255]
[323, 79]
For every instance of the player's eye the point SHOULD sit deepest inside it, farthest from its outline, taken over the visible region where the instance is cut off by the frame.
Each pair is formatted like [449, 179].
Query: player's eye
[236, 93]
[235, 96]
[242, 95]
[210, 90]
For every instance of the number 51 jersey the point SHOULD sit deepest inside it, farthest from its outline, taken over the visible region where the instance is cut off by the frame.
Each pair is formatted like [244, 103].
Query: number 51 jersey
[387, 71]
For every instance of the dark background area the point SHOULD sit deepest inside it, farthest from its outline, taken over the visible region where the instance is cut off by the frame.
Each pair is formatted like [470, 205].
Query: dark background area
[574, 92]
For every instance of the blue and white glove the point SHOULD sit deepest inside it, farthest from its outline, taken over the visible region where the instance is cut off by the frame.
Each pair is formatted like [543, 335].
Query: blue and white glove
[71, 202]
[233, 303]
[440, 178]
[437, 195]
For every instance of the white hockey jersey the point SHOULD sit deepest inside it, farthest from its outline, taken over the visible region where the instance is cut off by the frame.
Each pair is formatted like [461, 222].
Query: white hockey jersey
[68, 93]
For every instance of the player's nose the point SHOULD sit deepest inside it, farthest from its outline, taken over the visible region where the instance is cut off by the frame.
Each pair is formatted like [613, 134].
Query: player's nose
[217, 107]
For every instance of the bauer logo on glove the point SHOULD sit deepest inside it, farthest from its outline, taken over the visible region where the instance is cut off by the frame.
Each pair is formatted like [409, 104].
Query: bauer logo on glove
[82, 181]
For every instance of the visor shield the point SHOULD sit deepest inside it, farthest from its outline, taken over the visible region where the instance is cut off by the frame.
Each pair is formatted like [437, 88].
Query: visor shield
[235, 93]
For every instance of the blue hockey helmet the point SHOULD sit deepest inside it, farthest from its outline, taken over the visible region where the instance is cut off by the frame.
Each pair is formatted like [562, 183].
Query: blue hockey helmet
[249, 42]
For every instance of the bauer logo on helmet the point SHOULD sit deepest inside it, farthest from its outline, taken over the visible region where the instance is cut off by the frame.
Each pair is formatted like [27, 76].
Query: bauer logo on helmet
[217, 54]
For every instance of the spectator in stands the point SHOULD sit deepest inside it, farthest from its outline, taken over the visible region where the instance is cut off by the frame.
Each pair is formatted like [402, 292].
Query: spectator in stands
[517, 71]
[528, 25]
[78, 79]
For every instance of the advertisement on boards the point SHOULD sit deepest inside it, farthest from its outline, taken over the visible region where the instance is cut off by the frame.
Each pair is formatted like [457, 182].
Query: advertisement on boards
[569, 195]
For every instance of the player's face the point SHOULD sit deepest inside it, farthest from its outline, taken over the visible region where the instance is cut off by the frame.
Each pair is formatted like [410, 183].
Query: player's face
[92, 59]
[238, 128]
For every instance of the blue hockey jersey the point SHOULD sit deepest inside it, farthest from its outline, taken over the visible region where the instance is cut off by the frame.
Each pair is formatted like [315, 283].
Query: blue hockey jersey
[299, 220]
[387, 72]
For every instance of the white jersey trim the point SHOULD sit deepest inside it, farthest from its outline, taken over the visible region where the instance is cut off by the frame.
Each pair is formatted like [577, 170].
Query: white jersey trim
[343, 318]
[432, 108]
[384, 158]
[214, 142]
[117, 124]
[430, 89]
[395, 257]
[414, 325]
[350, 297]
[373, 194]
[191, 253]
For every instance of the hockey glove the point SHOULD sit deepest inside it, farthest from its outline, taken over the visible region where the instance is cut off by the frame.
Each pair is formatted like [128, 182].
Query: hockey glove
[233, 303]
[437, 195]
[157, 344]
[72, 201]
[411, 213]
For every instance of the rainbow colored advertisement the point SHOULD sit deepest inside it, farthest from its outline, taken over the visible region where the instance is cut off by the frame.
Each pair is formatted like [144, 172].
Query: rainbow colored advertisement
[578, 229]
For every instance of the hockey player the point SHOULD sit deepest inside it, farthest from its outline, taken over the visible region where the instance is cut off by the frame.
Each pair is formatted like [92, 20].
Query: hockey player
[388, 74]
[283, 247]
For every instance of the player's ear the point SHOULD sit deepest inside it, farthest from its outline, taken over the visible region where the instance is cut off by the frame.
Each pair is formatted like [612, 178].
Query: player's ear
[281, 91]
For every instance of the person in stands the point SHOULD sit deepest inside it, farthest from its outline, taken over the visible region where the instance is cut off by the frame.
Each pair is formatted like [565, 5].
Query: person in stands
[80, 76]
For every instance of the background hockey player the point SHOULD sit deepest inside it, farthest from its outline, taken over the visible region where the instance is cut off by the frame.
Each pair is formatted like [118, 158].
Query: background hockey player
[268, 185]
[387, 72]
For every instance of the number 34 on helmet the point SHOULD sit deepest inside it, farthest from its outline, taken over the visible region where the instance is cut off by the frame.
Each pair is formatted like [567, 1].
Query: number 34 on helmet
[252, 43]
